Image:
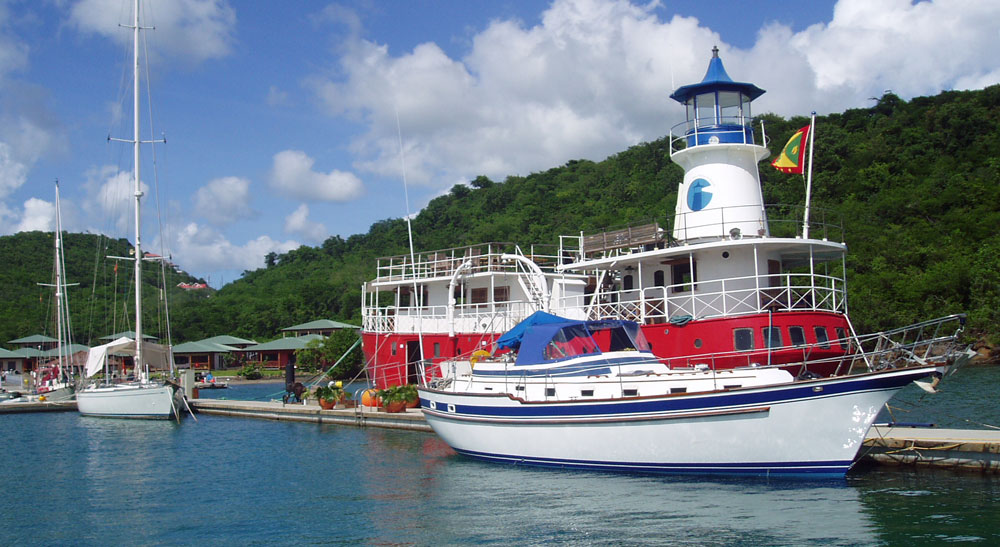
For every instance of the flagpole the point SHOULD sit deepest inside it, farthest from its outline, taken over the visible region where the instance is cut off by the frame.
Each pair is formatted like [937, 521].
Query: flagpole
[809, 178]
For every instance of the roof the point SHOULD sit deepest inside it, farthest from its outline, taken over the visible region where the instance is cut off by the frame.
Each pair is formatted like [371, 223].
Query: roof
[126, 334]
[322, 324]
[289, 343]
[228, 340]
[203, 346]
[27, 353]
[33, 339]
[68, 349]
[716, 79]
[7, 354]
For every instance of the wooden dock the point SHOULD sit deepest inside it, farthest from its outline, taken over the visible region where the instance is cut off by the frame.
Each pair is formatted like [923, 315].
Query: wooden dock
[971, 449]
[44, 406]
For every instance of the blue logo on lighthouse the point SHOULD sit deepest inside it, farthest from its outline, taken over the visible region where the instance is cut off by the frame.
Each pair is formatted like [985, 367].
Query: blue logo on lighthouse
[697, 196]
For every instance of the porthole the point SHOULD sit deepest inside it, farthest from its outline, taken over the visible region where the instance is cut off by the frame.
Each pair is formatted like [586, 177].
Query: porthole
[697, 343]
[666, 331]
[725, 254]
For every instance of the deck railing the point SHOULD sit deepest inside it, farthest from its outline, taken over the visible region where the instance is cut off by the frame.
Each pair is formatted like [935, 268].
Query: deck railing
[484, 257]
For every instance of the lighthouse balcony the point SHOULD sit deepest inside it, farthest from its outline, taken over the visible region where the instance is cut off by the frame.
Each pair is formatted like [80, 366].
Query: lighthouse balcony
[723, 130]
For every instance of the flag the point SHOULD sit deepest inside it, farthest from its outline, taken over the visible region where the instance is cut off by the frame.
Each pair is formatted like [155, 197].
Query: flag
[791, 158]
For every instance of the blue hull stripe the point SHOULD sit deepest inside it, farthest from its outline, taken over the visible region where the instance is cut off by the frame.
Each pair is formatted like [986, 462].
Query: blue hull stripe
[813, 469]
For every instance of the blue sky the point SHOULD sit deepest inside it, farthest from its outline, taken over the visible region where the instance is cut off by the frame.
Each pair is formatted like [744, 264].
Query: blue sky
[280, 117]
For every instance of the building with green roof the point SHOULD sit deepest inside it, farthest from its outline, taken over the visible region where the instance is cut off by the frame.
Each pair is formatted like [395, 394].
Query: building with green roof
[324, 327]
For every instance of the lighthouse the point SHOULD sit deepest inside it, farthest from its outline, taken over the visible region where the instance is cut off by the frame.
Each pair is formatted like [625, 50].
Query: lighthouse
[720, 196]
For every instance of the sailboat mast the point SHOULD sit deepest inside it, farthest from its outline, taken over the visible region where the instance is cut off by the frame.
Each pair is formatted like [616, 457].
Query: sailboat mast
[59, 285]
[138, 190]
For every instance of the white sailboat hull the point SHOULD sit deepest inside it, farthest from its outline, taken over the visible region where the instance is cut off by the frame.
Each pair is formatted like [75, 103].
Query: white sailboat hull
[141, 401]
[800, 428]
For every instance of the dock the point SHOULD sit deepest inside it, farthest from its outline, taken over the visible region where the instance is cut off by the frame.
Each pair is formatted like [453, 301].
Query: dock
[43, 406]
[361, 416]
[972, 449]
[885, 445]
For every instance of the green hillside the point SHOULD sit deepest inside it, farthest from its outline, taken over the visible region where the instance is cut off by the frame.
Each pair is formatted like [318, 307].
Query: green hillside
[98, 305]
[916, 183]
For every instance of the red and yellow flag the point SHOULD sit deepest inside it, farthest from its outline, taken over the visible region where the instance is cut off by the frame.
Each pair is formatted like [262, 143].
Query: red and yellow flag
[791, 158]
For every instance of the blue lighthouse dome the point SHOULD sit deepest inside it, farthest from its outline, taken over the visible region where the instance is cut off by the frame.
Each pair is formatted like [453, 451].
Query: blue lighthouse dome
[718, 109]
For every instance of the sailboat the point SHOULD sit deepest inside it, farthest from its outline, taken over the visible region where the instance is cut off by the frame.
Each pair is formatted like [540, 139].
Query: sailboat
[143, 397]
[55, 378]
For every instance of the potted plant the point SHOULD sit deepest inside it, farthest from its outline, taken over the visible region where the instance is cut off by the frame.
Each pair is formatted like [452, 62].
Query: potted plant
[410, 393]
[341, 395]
[393, 399]
[326, 396]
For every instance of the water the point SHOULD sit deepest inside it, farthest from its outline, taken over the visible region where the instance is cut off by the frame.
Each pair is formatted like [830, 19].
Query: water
[233, 481]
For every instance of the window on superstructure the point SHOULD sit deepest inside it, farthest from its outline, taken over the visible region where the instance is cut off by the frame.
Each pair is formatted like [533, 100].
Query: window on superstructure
[479, 296]
[822, 338]
[658, 278]
[437, 349]
[772, 337]
[798, 335]
[627, 283]
[842, 338]
[743, 339]
[501, 294]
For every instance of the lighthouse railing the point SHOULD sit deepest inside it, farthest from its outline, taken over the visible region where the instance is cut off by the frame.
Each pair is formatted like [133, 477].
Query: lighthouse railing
[721, 130]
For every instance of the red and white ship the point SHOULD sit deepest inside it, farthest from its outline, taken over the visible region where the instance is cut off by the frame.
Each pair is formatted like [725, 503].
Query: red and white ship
[731, 283]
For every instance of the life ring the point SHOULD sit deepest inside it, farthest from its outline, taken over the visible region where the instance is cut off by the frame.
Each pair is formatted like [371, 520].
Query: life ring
[477, 355]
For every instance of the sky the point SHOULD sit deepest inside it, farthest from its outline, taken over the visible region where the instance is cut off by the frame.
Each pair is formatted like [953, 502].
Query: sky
[290, 122]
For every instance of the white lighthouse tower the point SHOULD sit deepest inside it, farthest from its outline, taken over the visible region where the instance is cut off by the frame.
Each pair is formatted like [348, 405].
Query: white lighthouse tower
[720, 195]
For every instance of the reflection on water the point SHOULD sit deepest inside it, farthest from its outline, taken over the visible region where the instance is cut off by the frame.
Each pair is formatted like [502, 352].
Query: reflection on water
[74, 480]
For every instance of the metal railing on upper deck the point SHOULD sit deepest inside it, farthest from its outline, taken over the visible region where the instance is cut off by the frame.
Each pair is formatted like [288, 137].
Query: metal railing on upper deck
[722, 298]
[483, 257]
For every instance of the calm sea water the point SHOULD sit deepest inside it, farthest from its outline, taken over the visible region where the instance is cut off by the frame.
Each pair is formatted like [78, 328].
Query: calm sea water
[233, 481]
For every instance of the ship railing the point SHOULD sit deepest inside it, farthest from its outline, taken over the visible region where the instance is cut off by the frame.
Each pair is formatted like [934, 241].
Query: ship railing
[467, 318]
[483, 257]
[722, 298]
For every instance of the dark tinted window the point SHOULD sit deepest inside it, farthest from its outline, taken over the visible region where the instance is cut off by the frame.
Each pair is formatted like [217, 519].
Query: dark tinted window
[842, 338]
[772, 337]
[743, 339]
[798, 335]
[821, 337]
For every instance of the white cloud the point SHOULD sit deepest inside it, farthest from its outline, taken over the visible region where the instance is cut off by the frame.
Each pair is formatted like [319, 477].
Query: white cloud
[199, 248]
[593, 77]
[298, 223]
[195, 30]
[13, 173]
[38, 215]
[224, 200]
[109, 200]
[292, 174]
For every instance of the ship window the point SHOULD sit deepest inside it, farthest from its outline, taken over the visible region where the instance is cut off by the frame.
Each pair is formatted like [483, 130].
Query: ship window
[437, 349]
[630, 392]
[518, 388]
[501, 294]
[743, 339]
[393, 346]
[821, 337]
[550, 392]
[479, 296]
[678, 390]
[658, 278]
[587, 393]
[798, 335]
[697, 343]
[842, 338]
[627, 283]
[772, 337]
